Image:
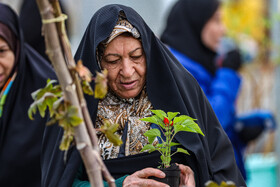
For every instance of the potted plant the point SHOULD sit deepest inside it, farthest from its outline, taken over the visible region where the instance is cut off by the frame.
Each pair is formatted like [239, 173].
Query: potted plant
[168, 126]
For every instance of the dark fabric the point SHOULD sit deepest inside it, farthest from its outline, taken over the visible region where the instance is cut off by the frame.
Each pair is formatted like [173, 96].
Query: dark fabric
[8, 36]
[184, 27]
[20, 137]
[170, 87]
[232, 60]
[31, 24]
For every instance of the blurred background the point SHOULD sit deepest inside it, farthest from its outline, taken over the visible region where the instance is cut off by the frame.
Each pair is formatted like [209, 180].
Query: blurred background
[252, 25]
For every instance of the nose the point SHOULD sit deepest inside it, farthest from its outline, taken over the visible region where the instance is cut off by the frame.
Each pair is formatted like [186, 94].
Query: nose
[128, 68]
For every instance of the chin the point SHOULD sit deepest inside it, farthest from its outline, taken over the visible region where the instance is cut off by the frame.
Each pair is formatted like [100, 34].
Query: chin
[128, 95]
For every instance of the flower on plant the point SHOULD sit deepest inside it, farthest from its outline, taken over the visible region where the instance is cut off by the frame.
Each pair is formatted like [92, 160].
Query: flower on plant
[166, 132]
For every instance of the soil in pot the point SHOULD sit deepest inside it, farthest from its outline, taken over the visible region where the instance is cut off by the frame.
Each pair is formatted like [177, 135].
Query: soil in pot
[172, 177]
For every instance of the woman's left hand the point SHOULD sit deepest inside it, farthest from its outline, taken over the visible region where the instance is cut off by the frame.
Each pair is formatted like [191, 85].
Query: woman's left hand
[186, 176]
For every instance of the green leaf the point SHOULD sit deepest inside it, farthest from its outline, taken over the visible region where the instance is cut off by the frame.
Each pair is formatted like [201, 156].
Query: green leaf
[211, 184]
[113, 138]
[186, 124]
[152, 134]
[180, 150]
[50, 101]
[58, 103]
[75, 121]
[171, 115]
[101, 86]
[178, 120]
[159, 146]
[109, 130]
[32, 110]
[223, 184]
[148, 147]
[50, 83]
[154, 119]
[227, 184]
[72, 117]
[35, 93]
[87, 88]
[46, 100]
[160, 113]
[66, 141]
[42, 106]
[174, 144]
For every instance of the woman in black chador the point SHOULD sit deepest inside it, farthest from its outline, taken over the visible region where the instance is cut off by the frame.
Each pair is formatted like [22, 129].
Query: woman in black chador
[142, 75]
[22, 71]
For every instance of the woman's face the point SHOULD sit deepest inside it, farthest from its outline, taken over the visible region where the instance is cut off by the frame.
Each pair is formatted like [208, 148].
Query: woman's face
[125, 61]
[213, 31]
[7, 61]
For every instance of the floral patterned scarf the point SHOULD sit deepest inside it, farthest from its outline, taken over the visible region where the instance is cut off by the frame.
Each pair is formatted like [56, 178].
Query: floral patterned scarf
[125, 112]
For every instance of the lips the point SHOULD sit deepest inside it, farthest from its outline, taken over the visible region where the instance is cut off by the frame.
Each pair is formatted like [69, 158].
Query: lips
[128, 85]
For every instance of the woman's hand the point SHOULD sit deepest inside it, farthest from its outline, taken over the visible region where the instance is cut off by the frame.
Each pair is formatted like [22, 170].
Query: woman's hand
[140, 178]
[186, 176]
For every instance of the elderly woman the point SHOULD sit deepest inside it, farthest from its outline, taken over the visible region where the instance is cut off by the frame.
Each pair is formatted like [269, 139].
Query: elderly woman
[142, 74]
[22, 71]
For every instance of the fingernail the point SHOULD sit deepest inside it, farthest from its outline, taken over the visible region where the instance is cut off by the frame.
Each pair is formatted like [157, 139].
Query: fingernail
[162, 174]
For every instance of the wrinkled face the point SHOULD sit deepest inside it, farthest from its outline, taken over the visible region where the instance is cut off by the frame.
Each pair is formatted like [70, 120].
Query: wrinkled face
[213, 31]
[125, 61]
[7, 61]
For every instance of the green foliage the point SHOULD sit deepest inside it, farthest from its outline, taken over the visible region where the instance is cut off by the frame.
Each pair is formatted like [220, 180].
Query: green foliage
[152, 134]
[223, 184]
[101, 87]
[51, 98]
[170, 125]
[43, 98]
[87, 88]
[109, 130]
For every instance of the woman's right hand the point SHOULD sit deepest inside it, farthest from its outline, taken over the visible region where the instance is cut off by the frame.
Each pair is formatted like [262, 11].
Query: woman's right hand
[140, 178]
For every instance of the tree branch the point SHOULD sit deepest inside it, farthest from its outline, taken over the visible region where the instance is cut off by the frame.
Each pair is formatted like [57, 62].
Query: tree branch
[62, 59]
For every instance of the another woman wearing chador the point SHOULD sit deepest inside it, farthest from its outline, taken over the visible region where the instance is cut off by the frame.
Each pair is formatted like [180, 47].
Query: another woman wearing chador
[142, 74]
[193, 32]
[22, 71]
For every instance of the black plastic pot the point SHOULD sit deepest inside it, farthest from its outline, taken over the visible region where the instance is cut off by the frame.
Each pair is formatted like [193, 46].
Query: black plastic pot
[172, 176]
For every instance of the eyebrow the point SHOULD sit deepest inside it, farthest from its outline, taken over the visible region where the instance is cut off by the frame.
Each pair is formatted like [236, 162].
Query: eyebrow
[4, 45]
[134, 50]
[111, 54]
[117, 55]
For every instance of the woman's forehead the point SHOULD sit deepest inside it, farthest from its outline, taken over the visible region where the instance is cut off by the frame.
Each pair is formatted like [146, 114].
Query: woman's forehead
[123, 42]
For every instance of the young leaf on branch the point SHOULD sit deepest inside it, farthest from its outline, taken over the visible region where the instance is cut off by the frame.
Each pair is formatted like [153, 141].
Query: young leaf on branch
[109, 130]
[86, 77]
[61, 112]
[43, 98]
[101, 86]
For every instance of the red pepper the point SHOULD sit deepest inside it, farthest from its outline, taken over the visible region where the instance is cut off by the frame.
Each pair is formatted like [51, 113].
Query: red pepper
[166, 121]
